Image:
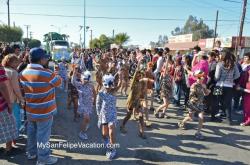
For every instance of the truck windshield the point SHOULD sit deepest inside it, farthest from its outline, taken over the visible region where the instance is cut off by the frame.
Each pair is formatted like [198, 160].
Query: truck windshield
[61, 43]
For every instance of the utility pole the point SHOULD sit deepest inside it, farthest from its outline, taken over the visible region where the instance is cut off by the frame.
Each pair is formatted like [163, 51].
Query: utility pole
[31, 35]
[215, 28]
[8, 4]
[241, 27]
[84, 26]
[27, 30]
[113, 33]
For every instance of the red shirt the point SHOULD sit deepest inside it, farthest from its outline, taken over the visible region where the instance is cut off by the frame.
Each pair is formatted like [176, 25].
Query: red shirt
[3, 77]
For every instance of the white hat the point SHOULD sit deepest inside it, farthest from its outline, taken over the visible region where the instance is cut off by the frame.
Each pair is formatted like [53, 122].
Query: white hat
[108, 81]
[86, 76]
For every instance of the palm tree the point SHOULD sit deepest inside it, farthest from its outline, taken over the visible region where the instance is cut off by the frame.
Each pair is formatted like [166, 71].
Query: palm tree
[121, 38]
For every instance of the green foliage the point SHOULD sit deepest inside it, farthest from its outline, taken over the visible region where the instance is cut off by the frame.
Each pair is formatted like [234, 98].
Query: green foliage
[162, 40]
[10, 34]
[121, 38]
[196, 27]
[34, 43]
[104, 42]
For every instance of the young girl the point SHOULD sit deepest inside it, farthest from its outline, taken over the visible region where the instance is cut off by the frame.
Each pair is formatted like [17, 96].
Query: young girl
[198, 91]
[166, 91]
[107, 115]
[86, 93]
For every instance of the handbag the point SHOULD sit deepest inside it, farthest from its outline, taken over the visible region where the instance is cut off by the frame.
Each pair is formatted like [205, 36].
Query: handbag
[218, 90]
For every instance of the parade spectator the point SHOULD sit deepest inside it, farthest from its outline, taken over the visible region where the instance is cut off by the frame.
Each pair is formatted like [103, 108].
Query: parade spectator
[157, 73]
[10, 63]
[225, 74]
[244, 86]
[178, 80]
[8, 130]
[39, 88]
[211, 84]
[17, 50]
[199, 63]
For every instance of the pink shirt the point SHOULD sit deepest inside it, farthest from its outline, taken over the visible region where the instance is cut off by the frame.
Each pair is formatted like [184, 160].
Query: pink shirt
[202, 65]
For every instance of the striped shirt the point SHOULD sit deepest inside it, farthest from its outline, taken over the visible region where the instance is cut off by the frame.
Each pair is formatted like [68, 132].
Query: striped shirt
[39, 88]
[3, 77]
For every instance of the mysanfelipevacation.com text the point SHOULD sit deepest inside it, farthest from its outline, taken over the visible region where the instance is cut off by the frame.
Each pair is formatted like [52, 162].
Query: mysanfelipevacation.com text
[77, 145]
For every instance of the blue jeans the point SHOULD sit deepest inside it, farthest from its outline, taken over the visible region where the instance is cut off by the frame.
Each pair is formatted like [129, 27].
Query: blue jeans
[17, 115]
[39, 133]
[177, 92]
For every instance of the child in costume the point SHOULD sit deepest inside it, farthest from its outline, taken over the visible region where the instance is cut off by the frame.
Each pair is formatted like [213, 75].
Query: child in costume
[86, 100]
[107, 113]
[198, 91]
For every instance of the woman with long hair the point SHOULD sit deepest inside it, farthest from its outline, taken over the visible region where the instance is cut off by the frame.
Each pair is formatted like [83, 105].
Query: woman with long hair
[225, 74]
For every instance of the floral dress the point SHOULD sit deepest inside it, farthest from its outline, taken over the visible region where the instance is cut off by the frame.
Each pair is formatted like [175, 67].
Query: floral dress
[106, 108]
[196, 98]
[85, 97]
[166, 86]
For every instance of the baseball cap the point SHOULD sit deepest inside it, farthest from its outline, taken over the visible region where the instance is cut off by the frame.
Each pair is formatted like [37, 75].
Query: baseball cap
[38, 53]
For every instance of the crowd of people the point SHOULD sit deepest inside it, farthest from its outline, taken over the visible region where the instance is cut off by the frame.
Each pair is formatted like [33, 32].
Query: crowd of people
[214, 83]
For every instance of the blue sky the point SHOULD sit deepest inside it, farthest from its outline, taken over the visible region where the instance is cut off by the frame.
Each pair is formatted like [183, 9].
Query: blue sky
[140, 31]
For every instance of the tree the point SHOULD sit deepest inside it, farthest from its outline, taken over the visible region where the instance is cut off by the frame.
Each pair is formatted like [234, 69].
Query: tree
[121, 39]
[196, 27]
[65, 37]
[162, 40]
[10, 34]
[26, 41]
[104, 41]
[34, 43]
[95, 43]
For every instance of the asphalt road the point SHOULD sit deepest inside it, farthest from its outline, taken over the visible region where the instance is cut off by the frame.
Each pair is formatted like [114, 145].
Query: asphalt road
[166, 144]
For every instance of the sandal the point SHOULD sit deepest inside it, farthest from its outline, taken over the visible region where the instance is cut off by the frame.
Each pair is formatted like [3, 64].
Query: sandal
[123, 130]
[182, 126]
[148, 124]
[142, 135]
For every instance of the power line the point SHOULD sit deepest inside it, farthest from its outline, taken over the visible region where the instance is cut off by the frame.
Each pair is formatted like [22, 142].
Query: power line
[117, 18]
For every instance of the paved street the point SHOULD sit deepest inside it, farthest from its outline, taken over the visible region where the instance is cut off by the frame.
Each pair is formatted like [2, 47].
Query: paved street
[166, 144]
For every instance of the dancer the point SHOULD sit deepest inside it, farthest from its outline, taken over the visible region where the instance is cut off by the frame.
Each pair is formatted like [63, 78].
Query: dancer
[86, 93]
[107, 113]
[135, 101]
[166, 92]
[198, 91]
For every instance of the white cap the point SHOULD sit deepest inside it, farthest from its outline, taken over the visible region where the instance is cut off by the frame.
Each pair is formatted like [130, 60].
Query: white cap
[86, 76]
[108, 81]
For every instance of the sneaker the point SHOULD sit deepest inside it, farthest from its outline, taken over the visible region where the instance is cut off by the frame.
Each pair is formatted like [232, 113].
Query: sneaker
[31, 157]
[83, 136]
[112, 154]
[199, 136]
[14, 151]
[51, 160]
[108, 153]
[123, 130]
